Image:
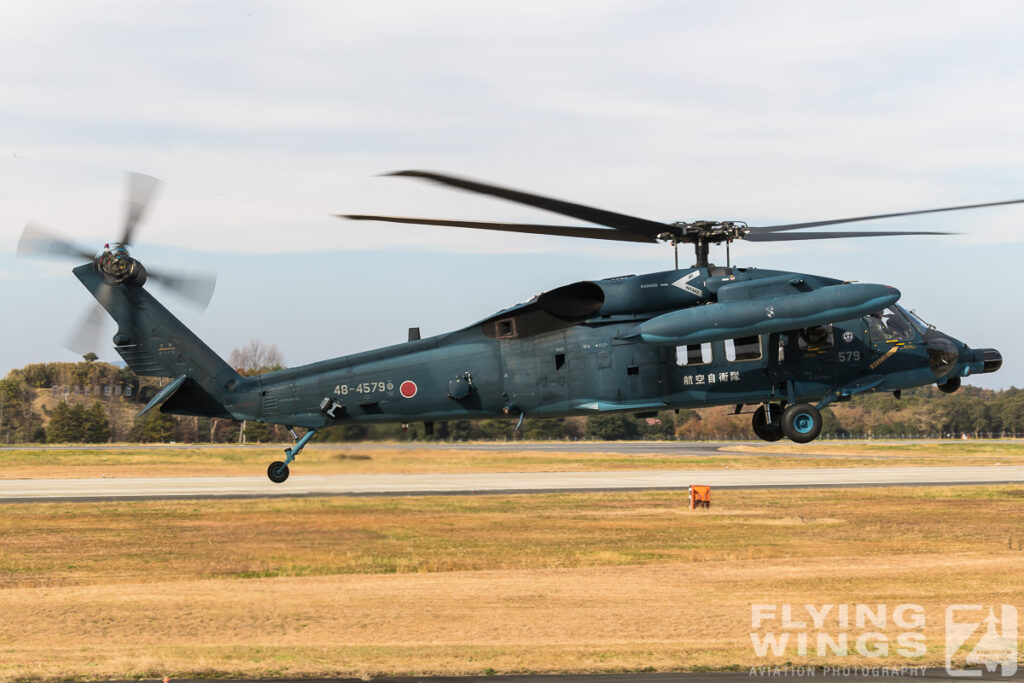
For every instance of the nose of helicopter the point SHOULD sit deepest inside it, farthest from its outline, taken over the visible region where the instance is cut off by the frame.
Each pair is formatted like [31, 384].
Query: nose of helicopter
[944, 354]
[991, 359]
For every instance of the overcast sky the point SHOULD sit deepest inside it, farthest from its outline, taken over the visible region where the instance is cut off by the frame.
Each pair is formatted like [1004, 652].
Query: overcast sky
[264, 119]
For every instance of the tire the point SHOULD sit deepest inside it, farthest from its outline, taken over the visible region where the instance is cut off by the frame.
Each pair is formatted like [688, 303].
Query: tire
[765, 430]
[278, 472]
[801, 423]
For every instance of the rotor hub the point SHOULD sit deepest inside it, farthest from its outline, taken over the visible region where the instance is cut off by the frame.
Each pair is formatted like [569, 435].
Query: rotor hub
[120, 268]
[707, 232]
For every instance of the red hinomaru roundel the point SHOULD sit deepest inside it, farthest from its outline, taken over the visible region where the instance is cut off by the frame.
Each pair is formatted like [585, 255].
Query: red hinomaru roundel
[408, 389]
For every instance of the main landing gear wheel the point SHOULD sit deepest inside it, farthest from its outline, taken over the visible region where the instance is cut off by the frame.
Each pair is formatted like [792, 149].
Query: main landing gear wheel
[801, 422]
[278, 472]
[768, 431]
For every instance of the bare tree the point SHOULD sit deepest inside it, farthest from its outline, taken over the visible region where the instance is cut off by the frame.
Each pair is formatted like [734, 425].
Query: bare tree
[253, 359]
[256, 357]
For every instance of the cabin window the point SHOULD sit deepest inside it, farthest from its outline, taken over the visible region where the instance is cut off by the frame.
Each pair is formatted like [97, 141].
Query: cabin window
[743, 348]
[633, 370]
[693, 354]
[559, 361]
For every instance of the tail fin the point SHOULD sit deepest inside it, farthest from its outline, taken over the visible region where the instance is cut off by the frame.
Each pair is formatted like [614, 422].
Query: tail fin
[154, 343]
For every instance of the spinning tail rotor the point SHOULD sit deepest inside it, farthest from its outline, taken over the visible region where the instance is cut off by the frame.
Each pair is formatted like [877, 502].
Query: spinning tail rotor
[115, 264]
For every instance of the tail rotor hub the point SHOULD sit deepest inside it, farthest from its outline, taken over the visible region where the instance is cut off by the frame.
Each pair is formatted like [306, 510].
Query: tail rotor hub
[120, 268]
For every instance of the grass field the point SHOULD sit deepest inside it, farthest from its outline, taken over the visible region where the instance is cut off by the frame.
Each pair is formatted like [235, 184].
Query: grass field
[460, 585]
[145, 461]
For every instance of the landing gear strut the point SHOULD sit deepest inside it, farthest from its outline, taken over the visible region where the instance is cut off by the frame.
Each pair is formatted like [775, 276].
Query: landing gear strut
[278, 471]
[766, 422]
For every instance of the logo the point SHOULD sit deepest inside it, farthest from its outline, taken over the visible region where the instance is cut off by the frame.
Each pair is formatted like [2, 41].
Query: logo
[769, 311]
[979, 638]
[848, 336]
[838, 630]
[408, 389]
[988, 641]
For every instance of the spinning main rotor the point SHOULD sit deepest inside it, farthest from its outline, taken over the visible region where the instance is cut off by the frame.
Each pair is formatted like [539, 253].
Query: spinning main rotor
[624, 228]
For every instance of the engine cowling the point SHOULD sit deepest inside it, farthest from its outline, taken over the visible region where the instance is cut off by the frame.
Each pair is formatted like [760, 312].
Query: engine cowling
[625, 295]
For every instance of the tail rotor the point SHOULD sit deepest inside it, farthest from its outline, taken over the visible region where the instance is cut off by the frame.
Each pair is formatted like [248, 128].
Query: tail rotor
[116, 265]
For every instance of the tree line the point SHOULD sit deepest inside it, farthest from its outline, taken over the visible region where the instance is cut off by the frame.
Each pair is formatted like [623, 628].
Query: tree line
[96, 402]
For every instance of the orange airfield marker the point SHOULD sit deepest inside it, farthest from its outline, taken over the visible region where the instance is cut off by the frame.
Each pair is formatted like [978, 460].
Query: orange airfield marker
[700, 496]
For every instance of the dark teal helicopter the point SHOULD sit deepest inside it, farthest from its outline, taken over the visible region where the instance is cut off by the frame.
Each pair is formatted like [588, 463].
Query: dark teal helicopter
[782, 344]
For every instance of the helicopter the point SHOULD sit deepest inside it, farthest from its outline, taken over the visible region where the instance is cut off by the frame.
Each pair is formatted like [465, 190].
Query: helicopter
[778, 345]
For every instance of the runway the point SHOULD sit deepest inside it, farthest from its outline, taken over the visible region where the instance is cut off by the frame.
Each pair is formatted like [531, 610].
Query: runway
[676, 448]
[25, 490]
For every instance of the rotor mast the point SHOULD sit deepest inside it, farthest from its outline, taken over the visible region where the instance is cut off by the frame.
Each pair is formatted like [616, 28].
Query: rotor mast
[702, 234]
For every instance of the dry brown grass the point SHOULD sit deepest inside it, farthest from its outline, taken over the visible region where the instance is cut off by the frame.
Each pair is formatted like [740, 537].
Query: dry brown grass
[457, 585]
[199, 460]
[945, 452]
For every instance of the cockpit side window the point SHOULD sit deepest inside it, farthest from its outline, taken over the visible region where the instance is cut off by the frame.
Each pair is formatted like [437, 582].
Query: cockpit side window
[889, 325]
[817, 337]
[920, 325]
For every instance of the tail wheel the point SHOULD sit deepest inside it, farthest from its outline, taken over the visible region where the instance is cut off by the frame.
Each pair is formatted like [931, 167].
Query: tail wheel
[801, 422]
[768, 431]
[278, 472]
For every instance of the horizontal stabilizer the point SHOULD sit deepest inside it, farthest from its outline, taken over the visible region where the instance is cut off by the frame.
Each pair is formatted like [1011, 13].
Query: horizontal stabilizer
[163, 394]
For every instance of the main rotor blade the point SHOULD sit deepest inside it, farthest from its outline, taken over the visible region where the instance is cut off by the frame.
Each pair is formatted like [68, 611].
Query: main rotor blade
[630, 224]
[560, 230]
[36, 239]
[86, 336]
[776, 237]
[140, 191]
[194, 287]
[837, 221]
